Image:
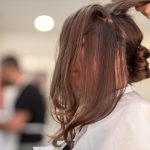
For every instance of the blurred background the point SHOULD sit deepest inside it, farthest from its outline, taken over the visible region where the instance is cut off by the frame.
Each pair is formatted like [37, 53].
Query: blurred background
[24, 36]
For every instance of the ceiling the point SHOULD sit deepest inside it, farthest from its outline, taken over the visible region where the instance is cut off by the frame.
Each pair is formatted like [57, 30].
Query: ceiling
[17, 18]
[20, 14]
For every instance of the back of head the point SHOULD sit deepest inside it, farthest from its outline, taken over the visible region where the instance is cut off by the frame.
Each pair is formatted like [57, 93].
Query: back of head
[10, 71]
[136, 54]
[87, 73]
[10, 61]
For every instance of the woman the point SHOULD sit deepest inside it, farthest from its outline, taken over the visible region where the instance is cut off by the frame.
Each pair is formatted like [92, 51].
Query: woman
[93, 102]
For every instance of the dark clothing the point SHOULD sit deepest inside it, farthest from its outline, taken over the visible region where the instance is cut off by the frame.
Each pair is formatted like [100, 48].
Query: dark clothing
[66, 148]
[32, 101]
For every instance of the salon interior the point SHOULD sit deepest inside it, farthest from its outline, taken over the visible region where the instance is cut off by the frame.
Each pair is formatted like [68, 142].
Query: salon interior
[29, 32]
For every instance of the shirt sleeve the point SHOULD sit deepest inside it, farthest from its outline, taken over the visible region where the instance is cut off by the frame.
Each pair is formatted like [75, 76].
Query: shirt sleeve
[32, 101]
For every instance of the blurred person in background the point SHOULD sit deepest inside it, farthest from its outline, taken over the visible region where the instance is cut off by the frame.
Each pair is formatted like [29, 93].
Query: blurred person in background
[28, 116]
[1, 95]
[7, 97]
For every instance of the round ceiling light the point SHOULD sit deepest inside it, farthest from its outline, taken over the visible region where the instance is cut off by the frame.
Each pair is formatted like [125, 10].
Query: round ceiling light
[44, 23]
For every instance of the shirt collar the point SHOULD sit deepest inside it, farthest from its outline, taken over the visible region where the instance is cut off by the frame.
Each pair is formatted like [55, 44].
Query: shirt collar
[128, 89]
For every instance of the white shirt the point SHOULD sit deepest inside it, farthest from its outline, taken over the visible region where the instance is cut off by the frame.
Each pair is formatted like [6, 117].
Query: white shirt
[10, 140]
[126, 128]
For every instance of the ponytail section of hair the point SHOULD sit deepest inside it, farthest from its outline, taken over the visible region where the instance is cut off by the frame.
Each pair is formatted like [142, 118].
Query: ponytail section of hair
[138, 66]
[85, 83]
[122, 6]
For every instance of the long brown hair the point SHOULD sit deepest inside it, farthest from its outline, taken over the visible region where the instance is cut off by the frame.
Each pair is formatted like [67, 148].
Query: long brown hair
[122, 6]
[90, 68]
[136, 53]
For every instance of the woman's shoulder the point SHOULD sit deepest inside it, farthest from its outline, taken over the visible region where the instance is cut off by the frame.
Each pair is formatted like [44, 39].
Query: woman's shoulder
[129, 119]
[132, 107]
[135, 101]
